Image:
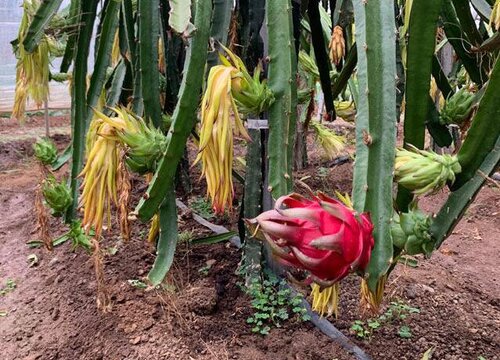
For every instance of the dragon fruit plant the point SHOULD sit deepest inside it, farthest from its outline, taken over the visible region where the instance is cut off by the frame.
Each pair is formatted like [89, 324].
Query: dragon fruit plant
[369, 66]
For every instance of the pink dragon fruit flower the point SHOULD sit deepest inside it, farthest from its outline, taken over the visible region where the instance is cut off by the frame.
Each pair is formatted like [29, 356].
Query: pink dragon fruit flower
[322, 236]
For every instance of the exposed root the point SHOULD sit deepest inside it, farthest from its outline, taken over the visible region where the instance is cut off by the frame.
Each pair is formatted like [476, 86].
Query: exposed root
[103, 298]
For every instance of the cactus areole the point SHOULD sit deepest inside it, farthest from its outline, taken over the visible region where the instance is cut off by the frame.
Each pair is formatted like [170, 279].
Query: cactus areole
[321, 236]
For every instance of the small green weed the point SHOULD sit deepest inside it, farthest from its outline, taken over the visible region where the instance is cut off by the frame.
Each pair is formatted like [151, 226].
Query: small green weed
[365, 329]
[138, 284]
[404, 332]
[397, 311]
[185, 236]
[358, 328]
[9, 286]
[273, 303]
[202, 207]
[323, 172]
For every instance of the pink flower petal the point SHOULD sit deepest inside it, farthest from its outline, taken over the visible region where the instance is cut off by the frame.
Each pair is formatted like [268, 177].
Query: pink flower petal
[331, 242]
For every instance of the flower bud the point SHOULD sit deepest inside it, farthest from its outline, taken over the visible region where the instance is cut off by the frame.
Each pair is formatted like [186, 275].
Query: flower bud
[57, 195]
[45, 151]
[424, 172]
[457, 107]
[410, 232]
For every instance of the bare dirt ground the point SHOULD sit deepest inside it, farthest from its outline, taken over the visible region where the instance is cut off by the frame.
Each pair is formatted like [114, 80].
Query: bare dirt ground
[49, 310]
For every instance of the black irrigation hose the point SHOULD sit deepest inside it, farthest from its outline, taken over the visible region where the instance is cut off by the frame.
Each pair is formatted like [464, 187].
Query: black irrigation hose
[328, 329]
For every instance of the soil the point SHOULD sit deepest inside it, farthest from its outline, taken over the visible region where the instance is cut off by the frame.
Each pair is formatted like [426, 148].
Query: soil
[51, 312]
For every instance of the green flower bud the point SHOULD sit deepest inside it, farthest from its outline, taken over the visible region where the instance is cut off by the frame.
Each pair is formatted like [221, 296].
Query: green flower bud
[57, 195]
[424, 172]
[45, 151]
[253, 96]
[457, 107]
[144, 148]
[410, 232]
[144, 144]
[398, 235]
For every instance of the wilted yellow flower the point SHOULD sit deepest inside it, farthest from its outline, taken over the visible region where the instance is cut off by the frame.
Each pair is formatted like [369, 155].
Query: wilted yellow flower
[370, 301]
[100, 176]
[230, 91]
[331, 143]
[32, 69]
[325, 301]
[216, 135]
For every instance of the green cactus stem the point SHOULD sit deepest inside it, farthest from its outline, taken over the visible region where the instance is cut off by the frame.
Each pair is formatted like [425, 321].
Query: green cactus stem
[149, 31]
[282, 82]
[167, 240]
[421, 44]
[322, 59]
[47, 9]
[252, 251]
[219, 31]
[455, 35]
[184, 116]
[457, 203]
[376, 127]
[79, 98]
[69, 52]
[483, 133]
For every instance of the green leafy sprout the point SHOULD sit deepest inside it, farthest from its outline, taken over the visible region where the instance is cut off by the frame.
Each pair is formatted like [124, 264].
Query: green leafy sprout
[273, 304]
[398, 311]
[10, 285]
[202, 207]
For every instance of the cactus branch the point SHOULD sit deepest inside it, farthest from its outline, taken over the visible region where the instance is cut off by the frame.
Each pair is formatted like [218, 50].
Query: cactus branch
[149, 30]
[459, 200]
[322, 60]
[377, 97]
[483, 133]
[184, 116]
[44, 14]
[79, 99]
[282, 82]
